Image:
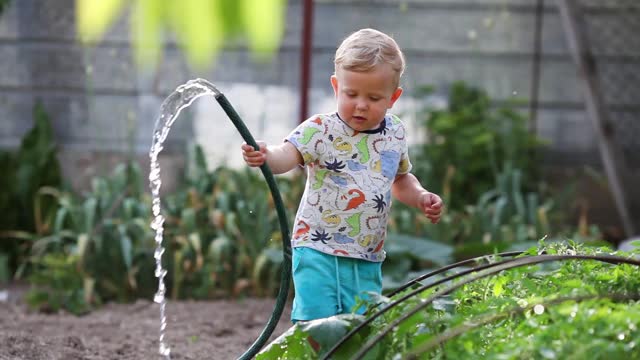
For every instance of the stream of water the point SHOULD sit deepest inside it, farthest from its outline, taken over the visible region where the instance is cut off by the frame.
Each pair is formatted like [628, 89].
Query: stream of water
[182, 97]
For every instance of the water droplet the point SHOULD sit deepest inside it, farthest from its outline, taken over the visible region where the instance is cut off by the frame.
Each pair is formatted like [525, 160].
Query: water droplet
[573, 314]
[164, 350]
[250, 211]
[472, 34]
[621, 336]
[548, 353]
[538, 309]
[160, 273]
[158, 298]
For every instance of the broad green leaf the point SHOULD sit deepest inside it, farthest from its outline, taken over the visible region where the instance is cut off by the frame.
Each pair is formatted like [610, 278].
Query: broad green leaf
[188, 219]
[59, 221]
[198, 27]
[125, 246]
[82, 242]
[498, 285]
[293, 344]
[94, 17]
[327, 332]
[420, 248]
[146, 30]
[264, 24]
[90, 208]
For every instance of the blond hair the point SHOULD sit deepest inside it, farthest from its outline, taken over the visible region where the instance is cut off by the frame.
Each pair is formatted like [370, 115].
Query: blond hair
[365, 49]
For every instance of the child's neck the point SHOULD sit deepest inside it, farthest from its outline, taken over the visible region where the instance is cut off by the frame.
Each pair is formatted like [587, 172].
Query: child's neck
[378, 129]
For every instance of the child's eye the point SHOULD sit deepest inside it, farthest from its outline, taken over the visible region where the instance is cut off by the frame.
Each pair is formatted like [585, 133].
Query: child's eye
[351, 95]
[373, 98]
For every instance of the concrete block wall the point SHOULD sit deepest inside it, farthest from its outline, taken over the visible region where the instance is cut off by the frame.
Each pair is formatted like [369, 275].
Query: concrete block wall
[101, 104]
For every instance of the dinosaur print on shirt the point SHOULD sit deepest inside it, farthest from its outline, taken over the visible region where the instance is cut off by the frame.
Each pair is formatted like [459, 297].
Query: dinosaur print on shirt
[347, 198]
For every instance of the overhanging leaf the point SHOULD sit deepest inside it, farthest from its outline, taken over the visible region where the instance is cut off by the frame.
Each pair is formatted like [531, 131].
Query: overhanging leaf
[94, 17]
[264, 24]
[198, 27]
[146, 30]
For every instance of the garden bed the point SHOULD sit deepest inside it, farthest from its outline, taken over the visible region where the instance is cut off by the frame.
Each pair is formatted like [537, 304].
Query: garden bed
[196, 330]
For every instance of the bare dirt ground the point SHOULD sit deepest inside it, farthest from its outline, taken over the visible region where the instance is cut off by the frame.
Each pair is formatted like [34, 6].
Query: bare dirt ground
[195, 330]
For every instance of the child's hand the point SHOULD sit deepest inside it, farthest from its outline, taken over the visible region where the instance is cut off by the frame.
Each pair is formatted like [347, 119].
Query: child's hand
[431, 206]
[252, 157]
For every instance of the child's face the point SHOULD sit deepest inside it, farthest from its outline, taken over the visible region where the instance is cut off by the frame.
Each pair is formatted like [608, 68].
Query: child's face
[364, 97]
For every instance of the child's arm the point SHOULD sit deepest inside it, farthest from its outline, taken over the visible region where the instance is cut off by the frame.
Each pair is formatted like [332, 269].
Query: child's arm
[280, 158]
[408, 190]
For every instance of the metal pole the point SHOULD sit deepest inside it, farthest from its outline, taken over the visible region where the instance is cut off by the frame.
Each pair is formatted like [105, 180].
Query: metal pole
[305, 63]
[595, 106]
[535, 68]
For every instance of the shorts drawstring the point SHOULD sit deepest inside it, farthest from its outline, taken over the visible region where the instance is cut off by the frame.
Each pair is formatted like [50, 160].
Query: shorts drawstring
[355, 271]
[338, 286]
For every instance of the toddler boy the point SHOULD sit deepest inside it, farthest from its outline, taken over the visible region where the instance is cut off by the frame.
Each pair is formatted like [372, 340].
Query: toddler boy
[355, 159]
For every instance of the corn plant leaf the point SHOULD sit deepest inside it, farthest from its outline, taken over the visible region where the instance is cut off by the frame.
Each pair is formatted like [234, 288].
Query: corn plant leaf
[188, 219]
[82, 246]
[90, 208]
[61, 216]
[125, 246]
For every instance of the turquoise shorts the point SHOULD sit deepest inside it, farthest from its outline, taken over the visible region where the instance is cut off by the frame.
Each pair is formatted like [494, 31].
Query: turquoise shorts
[327, 285]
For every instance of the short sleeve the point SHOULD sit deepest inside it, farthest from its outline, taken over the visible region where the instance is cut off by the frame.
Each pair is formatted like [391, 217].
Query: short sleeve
[306, 138]
[400, 131]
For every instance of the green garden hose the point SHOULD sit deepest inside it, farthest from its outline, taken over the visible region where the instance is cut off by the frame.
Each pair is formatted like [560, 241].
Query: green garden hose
[284, 229]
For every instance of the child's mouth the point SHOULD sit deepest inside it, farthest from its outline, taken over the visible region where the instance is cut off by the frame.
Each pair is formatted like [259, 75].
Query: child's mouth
[359, 118]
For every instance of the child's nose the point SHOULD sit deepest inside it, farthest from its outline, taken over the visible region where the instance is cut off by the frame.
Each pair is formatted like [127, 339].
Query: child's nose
[361, 105]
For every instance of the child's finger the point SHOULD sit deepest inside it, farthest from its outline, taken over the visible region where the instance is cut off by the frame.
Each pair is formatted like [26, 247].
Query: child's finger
[433, 214]
[436, 201]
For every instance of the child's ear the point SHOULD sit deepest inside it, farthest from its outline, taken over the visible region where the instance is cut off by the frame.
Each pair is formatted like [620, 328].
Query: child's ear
[395, 96]
[334, 84]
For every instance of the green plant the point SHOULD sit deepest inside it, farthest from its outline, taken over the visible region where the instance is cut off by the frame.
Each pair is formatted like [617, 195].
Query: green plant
[570, 309]
[4, 268]
[409, 256]
[57, 285]
[222, 226]
[103, 238]
[220, 237]
[469, 143]
[33, 166]
[3, 4]
[503, 216]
